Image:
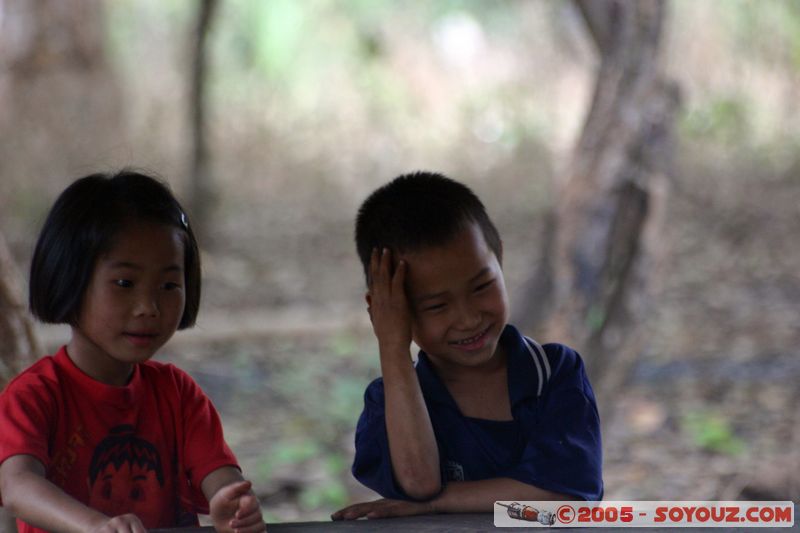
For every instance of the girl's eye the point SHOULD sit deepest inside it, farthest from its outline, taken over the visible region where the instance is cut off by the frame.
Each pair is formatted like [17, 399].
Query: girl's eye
[433, 308]
[171, 286]
[124, 283]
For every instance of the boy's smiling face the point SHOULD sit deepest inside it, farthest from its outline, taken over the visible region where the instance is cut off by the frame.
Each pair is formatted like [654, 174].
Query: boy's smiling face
[458, 301]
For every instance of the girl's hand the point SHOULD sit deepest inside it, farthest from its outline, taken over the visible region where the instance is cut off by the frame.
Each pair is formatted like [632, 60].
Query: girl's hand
[235, 508]
[389, 309]
[126, 523]
[382, 509]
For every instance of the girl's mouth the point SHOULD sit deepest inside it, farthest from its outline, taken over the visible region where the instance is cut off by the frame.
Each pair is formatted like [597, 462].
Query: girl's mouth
[141, 340]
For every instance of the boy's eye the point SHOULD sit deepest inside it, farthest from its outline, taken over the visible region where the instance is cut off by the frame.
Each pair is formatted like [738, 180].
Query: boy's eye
[171, 286]
[483, 286]
[124, 283]
[434, 307]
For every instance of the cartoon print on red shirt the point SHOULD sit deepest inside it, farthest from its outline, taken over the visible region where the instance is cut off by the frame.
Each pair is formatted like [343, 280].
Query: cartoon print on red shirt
[126, 476]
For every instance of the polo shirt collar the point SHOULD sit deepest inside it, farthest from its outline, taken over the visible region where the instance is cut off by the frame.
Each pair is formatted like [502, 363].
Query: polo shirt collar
[523, 380]
[523, 376]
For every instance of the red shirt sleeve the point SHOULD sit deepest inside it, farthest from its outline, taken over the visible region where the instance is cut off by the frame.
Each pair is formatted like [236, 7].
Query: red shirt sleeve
[202, 444]
[28, 408]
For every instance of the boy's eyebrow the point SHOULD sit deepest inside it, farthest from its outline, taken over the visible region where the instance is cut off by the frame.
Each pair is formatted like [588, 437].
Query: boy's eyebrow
[483, 272]
[134, 266]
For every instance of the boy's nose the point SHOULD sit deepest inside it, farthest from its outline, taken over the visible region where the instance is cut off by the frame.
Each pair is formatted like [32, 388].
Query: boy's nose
[468, 317]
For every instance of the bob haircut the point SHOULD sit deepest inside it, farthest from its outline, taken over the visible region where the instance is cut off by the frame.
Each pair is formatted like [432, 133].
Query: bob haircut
[418, 210]
[82, 225]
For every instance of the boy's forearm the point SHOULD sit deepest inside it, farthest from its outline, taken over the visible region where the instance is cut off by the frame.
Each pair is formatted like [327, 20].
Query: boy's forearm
[412, 444]
[479, 496]
[29, 496]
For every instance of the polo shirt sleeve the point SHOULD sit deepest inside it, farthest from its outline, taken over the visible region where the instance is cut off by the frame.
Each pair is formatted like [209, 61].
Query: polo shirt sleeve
[372, 465]
[563, 452]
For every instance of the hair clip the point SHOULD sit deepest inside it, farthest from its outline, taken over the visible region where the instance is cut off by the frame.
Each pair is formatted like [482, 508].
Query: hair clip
[184, 221]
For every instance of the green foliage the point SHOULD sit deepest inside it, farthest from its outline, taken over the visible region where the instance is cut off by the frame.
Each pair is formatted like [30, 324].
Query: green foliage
[330, 495]
[323, 393]
[766, 31]
[724, 119]
[136, 24]
[595, 317]
[712, 432]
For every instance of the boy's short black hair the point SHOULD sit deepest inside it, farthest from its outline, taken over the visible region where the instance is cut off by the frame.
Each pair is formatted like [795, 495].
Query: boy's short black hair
[82, 225]
[418, 210]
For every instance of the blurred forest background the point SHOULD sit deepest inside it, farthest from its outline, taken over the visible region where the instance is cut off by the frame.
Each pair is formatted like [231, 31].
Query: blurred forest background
[309, 105]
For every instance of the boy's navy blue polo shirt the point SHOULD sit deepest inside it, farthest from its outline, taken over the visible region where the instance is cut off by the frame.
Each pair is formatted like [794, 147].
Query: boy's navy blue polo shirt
[553, 441]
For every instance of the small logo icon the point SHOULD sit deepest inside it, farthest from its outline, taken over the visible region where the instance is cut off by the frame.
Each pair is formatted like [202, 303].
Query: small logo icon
[529, 514]
[565, 514]
[454, 471]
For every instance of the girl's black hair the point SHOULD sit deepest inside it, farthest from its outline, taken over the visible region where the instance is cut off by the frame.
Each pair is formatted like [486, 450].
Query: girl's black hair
[418, 210]
[82, 225]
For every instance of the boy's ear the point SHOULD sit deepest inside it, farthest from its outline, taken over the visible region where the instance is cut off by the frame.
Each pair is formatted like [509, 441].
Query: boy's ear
[368, 298]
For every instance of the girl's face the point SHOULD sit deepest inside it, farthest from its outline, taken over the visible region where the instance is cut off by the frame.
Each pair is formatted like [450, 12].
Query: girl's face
[133, 303]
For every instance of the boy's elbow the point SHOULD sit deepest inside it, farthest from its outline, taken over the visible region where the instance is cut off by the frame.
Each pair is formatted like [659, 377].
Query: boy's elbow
[422, 489]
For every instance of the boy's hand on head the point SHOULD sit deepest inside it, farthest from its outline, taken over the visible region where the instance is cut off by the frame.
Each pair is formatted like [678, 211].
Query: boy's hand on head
[383, 508]
[389, 309]
[235, 508]
[126, 523]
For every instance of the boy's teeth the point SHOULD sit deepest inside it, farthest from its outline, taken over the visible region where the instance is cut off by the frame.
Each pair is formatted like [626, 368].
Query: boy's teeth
[471, 339]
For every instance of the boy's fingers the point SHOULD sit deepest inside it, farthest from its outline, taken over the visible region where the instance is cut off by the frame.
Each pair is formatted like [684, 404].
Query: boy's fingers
[386, 263]
[399, 278]
[342, 514]
[373, 266]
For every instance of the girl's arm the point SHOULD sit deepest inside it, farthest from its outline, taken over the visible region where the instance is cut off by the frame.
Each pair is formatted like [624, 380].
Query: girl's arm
[29, 496]
[412, 444]
[457, 497]
[232, 502]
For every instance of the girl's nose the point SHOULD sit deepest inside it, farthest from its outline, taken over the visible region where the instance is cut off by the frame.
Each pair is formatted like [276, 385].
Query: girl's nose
[146, 305]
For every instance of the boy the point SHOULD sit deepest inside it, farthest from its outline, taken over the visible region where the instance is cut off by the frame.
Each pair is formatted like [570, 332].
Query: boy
[486, 414]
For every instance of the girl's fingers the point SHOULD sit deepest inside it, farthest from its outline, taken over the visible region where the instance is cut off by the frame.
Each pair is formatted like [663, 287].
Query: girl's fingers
[247, 521]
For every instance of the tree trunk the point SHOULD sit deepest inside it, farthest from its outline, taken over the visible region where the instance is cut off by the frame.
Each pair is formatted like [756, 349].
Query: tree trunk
[19, 345]
[52, 66]
[202, 197]
[591, 288]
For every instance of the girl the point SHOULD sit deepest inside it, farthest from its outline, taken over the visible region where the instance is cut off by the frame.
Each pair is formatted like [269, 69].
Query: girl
[98, 437]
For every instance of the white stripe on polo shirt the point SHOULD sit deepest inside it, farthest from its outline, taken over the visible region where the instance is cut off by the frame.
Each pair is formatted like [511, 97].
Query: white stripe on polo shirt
[539, 359]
